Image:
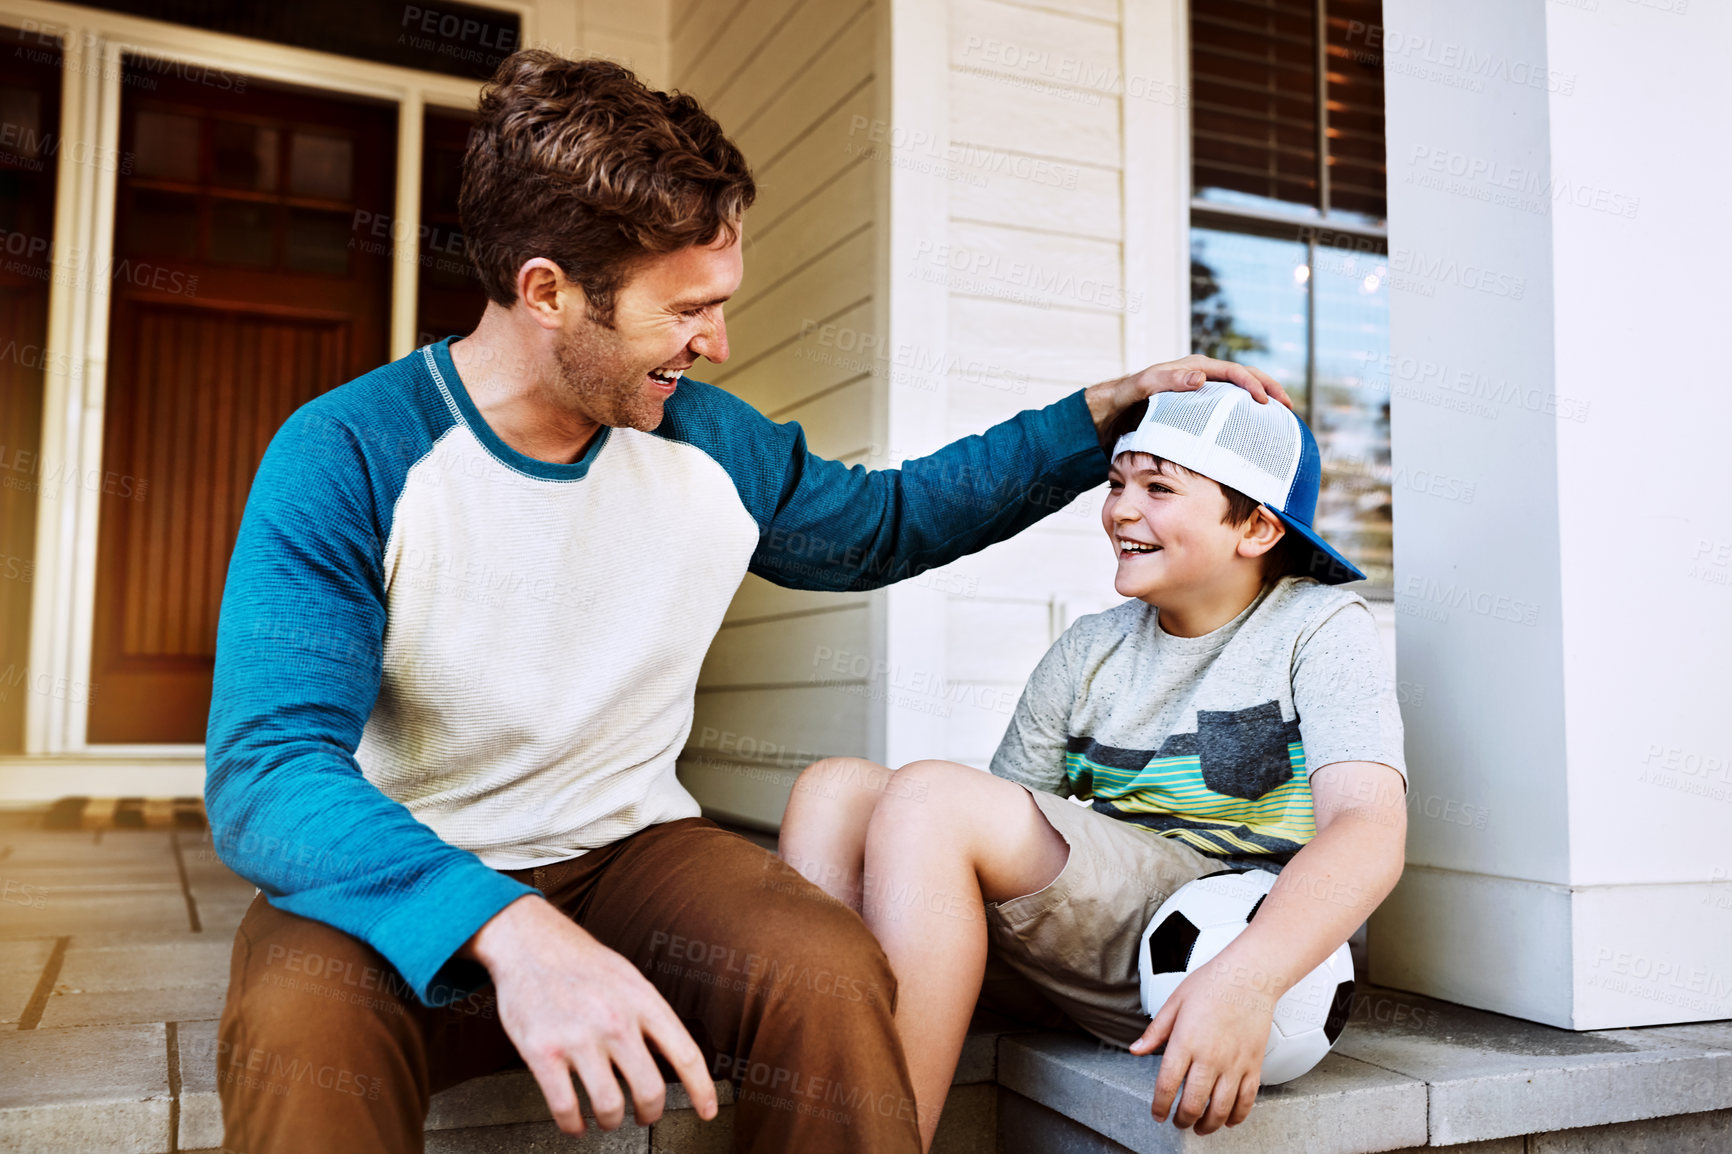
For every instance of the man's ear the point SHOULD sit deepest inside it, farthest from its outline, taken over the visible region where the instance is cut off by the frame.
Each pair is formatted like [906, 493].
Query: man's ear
[539, 282]
[1261, 533]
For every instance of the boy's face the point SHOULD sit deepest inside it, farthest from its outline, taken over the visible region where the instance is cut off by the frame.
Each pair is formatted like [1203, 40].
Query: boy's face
[1168, 532]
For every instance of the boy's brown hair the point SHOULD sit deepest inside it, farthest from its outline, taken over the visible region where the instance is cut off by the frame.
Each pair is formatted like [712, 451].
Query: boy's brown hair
[580, 162]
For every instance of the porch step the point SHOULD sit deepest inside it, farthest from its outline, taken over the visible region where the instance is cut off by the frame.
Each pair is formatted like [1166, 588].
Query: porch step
[125, 813]
[1409, 1073]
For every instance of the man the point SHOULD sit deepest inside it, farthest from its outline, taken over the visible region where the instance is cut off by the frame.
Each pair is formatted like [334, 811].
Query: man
[459, 641]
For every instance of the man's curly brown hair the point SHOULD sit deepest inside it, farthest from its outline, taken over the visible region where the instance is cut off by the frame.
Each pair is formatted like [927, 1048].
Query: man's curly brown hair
[580, 162]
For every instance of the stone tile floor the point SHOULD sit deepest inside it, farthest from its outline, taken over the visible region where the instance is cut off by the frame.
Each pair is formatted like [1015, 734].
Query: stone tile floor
[113, 927]
[114, 962]
[114, 951]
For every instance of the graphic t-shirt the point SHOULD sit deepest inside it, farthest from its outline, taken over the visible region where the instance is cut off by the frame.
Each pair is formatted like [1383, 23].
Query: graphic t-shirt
[1211, 739]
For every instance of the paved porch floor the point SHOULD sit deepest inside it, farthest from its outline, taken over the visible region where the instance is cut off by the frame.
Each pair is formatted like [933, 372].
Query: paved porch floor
[114, 951]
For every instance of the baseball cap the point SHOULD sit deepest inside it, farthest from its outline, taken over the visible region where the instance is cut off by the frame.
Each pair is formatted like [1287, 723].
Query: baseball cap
[1262, 450]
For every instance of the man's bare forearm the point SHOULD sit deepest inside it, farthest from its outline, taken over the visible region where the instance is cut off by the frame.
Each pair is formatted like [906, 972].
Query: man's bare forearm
[493, 940]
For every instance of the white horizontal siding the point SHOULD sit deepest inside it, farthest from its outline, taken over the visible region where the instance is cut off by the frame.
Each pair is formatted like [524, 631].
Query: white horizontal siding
[786, 79]
[840, 419]
[793, 650]
[760, 600]
[802, 366]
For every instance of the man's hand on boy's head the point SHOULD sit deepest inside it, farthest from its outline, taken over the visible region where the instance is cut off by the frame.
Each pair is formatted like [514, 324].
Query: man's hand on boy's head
[1216, 1028]
[1109, 399]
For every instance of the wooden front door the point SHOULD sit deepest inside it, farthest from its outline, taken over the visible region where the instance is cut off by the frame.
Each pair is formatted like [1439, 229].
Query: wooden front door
[246, 280]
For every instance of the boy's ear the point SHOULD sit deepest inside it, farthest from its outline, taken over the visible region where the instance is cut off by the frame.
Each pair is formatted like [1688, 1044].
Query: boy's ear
[1261, 533]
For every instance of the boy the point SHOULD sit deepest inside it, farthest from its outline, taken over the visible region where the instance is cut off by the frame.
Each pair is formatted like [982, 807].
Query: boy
[1235, 714]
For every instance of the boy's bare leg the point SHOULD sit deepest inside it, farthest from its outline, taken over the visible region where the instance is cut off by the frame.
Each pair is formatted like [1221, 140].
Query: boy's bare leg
[824, 828]
[945, 840]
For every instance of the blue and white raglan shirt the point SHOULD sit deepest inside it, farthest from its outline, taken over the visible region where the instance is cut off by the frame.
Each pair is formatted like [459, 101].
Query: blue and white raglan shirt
[439, 658]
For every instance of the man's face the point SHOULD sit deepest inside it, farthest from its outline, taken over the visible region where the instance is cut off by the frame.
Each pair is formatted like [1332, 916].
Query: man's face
[1166, 528]
[666, 316]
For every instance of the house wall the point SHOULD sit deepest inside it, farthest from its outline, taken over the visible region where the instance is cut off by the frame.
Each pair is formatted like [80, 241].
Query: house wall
[1040, 205]
[937, 245]
[1566, 850]
[1059, 254]
[787, 79]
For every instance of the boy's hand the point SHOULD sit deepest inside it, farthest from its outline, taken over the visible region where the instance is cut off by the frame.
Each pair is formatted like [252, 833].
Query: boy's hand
[1109, 399]
[1216, 1030]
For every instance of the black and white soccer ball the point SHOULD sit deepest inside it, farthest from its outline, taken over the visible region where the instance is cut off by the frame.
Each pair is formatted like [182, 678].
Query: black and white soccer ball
[1197, 922]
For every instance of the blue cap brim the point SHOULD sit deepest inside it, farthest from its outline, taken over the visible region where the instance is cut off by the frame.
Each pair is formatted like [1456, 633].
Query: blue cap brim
[1326, 565]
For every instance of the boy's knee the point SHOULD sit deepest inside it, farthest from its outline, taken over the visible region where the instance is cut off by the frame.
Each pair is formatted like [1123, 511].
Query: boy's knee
[853, 780]
[910, 788]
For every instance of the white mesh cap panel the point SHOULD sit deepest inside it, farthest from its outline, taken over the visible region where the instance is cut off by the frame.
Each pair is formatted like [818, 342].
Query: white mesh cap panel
[1220, 432]
[1265, 435]
[1187, 411]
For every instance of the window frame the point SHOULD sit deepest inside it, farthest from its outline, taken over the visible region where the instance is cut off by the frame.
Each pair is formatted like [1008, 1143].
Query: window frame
[1314, 227]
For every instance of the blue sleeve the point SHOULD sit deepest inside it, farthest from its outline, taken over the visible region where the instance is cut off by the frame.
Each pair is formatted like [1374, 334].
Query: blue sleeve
[299, 654]
[825, 525]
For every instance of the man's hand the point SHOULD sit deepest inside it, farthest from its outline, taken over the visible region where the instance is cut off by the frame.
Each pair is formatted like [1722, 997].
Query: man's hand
[1110, 398]
[1216, 1030]
[567, 1003]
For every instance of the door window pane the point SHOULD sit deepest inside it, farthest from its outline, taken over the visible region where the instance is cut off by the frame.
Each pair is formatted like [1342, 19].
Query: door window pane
[246, 156]
[240, 233]
[318, 242]
[321, 166]
[165, 146]
[450, 299]
[164, 224]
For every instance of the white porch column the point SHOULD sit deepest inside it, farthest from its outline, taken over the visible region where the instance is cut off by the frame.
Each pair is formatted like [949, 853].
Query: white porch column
[1561, 259]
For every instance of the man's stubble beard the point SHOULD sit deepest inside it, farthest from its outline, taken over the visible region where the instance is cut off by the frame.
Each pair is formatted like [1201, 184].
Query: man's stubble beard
[598, 378]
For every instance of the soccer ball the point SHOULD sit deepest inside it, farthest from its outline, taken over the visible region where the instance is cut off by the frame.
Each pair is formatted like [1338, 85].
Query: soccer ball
[1197, 922]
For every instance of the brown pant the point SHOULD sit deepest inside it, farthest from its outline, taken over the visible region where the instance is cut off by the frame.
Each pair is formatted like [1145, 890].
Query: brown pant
[323, 1046]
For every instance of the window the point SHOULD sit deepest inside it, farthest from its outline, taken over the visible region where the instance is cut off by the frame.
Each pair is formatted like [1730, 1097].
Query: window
[1289, 249]
[449, 298]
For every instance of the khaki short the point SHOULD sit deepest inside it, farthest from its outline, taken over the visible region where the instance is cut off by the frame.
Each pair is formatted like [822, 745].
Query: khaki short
[1076, 940]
